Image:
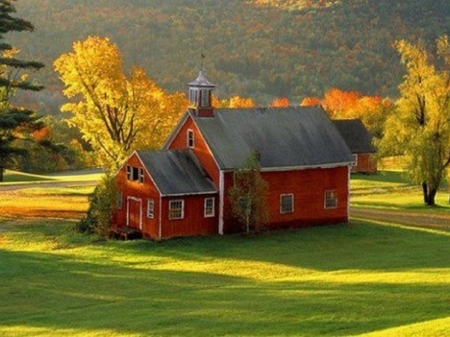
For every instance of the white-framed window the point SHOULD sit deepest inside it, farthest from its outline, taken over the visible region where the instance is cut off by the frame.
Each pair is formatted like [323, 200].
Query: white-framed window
[331, 199]
[286, 203]
[176, 209]
[193, 96]
[355, 160]
[129, 172]
[150, 208]
[190, 138]
[204, 98]
[135, 173]
[119, 201]
[209, 207]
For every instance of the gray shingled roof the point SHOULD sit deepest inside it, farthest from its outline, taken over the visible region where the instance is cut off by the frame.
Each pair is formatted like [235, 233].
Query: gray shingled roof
[290, 137]
[355, 134]
[176, 172]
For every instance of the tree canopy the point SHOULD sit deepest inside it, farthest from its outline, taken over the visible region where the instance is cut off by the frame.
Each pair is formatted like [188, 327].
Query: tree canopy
[116, 113]
[419, 128]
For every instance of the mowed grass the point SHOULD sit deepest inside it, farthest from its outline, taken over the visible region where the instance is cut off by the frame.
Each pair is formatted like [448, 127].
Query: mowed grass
[355, 279]
[366, 278]
[63, 195]
[391, 190]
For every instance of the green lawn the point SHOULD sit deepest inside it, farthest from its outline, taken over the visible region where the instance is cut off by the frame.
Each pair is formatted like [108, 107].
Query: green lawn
[359, 279]
[353, 279]
[390, 189]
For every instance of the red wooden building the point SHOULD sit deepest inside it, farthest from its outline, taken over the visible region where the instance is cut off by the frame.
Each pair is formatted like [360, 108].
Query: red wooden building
[360, 143]
[182, 190]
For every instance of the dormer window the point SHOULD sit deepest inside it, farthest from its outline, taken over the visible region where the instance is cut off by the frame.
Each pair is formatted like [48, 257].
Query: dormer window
[190, 138]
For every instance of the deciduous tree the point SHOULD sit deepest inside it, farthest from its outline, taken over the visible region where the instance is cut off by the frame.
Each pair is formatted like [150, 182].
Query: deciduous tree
[15, 123]
[339, 104]
[420, 127]
[115, 113]
[248, 195]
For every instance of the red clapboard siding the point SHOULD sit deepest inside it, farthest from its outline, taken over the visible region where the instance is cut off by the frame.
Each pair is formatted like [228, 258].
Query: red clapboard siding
[200, 149]
[132, 192]
[308, 188]
[366, 163]
[194, 222]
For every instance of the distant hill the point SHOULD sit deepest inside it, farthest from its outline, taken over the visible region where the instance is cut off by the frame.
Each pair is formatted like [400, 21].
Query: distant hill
[254, 48]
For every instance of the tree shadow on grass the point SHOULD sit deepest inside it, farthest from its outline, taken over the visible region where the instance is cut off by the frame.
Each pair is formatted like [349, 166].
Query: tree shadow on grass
[55, 293]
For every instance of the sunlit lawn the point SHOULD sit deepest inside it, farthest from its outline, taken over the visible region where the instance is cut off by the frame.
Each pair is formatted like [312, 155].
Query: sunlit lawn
[391, 190]
[324, 281]
[362, 278]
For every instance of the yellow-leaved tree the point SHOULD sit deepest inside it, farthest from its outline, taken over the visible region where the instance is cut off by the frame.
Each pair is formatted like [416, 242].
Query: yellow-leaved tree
[419, 128]
[116, 113]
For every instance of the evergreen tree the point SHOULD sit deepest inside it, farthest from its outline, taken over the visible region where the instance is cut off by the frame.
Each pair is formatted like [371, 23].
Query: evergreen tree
[15, 123]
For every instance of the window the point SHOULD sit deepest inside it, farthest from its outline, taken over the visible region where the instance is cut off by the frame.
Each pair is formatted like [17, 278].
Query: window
[119, 201]
[355, 160]
[209, 207]
[176, 209]
[150, 208]
[286, 203]
[204, 98]
[330, 199]
[135, 174]
[128, 172]
[193, 94]
[190, 138]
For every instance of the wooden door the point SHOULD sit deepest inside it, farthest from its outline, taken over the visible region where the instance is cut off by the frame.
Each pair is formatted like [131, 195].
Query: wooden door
[134, 212]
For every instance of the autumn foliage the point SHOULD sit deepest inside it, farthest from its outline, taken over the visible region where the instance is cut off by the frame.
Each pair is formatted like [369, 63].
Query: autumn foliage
[339, 104]
[116, 113]
[233, 102]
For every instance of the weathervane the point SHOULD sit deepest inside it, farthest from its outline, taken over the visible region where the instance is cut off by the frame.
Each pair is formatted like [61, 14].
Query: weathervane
[202, 57]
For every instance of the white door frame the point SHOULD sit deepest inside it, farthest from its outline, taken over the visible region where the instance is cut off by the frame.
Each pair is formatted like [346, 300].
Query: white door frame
[139, 200]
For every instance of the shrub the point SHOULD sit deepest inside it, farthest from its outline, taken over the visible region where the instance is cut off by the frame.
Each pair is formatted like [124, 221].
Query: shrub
[102, 204]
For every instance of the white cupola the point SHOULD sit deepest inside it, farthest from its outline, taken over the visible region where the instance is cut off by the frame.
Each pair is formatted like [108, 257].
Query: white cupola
[200, 96]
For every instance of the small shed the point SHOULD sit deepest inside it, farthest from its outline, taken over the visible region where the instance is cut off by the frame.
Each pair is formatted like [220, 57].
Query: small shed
[360, 142]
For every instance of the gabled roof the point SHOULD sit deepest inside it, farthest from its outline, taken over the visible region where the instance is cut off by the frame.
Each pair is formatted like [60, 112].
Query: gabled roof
[292, 137]
[355, 134]
[176, 172]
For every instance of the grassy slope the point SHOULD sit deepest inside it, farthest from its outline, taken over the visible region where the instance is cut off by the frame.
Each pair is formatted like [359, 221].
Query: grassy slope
[327, 281]
[357, 279]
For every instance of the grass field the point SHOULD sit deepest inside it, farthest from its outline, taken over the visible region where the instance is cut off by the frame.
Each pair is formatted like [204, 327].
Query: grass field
[366, 278]
[390, 189]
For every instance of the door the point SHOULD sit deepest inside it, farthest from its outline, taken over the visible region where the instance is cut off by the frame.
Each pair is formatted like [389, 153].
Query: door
[134, 212]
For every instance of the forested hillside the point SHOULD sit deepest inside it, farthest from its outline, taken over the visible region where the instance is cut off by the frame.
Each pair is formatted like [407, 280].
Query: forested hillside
[255, 48]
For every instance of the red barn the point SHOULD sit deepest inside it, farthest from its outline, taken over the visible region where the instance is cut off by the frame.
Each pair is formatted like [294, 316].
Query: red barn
[360, 143]
[182, 190]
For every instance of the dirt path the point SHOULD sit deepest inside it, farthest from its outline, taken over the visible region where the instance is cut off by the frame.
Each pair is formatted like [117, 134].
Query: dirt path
[411, 218]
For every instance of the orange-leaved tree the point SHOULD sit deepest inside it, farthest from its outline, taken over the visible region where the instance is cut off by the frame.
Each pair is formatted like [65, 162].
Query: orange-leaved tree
[339, 104]
[233, 102]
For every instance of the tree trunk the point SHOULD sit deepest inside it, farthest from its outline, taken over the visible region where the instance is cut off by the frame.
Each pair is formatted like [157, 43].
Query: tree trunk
[2, 172]
[429, 194]
[425, 193]
[431, 197]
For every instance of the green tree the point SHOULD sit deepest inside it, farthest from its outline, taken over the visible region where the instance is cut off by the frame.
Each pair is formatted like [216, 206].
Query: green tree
[248, 195]
[115, 114]
[15, 123]
[419, 128]
[102, 205]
